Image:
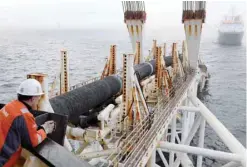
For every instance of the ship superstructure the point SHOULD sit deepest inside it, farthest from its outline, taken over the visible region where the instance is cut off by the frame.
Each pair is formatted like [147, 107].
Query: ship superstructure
[231, 30]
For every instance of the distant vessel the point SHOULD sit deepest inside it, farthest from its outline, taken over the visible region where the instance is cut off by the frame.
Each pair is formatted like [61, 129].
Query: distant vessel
[231, 30]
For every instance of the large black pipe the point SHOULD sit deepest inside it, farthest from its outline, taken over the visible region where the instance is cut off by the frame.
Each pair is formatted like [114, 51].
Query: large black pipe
[146, 69]
[81, 100]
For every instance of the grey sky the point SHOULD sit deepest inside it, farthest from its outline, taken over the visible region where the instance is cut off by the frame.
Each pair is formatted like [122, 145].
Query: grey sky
[99, 13]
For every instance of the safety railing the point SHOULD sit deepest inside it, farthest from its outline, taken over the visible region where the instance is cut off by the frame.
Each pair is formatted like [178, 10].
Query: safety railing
[90, 81]
[84, 83]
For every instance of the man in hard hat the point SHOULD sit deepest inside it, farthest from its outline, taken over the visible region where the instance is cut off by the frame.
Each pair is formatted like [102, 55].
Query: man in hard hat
[17, 124]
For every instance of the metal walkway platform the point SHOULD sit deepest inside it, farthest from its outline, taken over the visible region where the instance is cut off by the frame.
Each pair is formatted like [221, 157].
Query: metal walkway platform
[144, 137]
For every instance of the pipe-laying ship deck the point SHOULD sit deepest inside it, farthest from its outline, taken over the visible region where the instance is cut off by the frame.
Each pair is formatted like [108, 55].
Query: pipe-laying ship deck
[125, 117]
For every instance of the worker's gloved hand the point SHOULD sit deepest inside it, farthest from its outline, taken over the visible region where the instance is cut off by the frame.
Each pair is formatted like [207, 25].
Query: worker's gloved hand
[49, 126]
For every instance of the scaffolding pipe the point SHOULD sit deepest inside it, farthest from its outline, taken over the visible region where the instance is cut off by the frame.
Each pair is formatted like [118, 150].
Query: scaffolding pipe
[192, 131]
[184, 125]
[201, 142]
[183, 159]
[201, 151]
[162, 157]
[189, 109]
[96, 154]
[173, 135]
[191, 118]
[178, 139]
[186, 140]
[231, 164]
[232, 143]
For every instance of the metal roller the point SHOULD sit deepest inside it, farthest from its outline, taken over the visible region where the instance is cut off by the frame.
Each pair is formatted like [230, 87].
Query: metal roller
[81, 100]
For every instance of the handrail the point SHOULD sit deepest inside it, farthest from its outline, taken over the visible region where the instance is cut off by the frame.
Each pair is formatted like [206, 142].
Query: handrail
[90, 81]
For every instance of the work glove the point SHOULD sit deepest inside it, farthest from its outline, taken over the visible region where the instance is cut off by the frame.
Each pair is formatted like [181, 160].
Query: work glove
[49, 126]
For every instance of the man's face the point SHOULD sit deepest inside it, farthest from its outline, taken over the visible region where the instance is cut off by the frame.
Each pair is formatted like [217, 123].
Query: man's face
[35, 101]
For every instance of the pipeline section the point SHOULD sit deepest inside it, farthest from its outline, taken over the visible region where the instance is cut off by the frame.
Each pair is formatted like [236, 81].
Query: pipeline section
[85, 102]
[85, 98]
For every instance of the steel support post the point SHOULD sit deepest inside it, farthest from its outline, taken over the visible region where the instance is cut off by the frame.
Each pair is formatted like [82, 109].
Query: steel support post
[173, 135]
[201, 142]
[151, 161]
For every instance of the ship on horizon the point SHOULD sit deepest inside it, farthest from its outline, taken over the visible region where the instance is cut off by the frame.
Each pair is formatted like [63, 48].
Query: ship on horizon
[231, 30]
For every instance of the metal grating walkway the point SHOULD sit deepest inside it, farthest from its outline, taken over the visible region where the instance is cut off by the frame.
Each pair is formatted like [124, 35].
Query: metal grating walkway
[140, 139]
